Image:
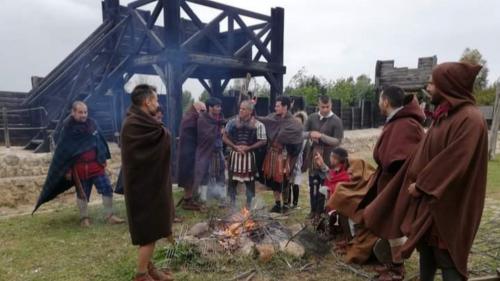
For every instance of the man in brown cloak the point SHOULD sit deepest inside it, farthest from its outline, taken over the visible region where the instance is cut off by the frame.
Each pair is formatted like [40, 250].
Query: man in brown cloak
[442, 186]
[187, 153]
[400, 136]
[285, 138]
[146, 176]
[209, 167]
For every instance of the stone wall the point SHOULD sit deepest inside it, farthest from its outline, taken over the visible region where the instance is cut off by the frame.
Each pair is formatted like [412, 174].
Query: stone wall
[22, 174]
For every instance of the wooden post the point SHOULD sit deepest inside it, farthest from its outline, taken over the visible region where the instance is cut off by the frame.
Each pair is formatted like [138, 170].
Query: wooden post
[5, 127]
[494, 124]
[277, 43]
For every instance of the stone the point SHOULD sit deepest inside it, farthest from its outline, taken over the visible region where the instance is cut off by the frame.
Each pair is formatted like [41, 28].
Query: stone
[266, 252]
[295, 228]
[294, 249]
[11, 160]
[247, 249]
[199, 229]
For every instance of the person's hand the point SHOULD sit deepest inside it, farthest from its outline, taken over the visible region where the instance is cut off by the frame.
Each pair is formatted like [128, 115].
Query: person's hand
[319, 160]
[315, 135]
[413, 190]
[239, 149]
[244, 148]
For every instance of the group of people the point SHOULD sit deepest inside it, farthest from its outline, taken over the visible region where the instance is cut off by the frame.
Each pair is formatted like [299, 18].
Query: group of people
[274, 148]
[427, 192]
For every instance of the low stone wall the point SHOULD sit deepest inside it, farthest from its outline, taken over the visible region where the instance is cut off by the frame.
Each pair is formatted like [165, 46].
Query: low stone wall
[23, 173]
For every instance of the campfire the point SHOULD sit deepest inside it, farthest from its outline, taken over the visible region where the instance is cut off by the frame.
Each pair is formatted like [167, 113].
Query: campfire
[246, 232]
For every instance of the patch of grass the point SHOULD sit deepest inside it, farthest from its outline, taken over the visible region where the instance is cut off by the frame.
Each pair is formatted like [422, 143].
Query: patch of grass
[52, 246]
[493, 186]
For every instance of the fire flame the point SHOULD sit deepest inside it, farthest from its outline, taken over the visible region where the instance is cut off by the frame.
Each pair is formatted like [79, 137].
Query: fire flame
[246, 224]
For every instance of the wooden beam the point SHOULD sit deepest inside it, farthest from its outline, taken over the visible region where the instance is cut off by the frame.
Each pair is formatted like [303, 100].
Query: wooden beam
[149, 32]
[232, 9]
[201, 26]
[254, 38]
[209, 60]
[266, 43]
[205, 32]
[187, 72]
[139, 3]
[205, 85]
[247, 46]
[225, 83]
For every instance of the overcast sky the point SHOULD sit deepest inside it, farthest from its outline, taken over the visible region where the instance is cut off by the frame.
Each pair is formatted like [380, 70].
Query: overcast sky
[330, 38]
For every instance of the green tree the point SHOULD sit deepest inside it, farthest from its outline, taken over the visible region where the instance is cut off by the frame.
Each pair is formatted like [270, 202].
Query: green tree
[187, 100]
[343, 89]
[204, 96]
[473, 56]
[308, 86]
[363, 88]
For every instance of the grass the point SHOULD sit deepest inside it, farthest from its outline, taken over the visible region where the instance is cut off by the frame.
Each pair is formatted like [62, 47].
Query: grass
[493, 186]
[52, 246]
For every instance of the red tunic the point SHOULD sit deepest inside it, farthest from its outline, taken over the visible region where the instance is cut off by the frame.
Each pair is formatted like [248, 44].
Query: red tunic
[87, 166]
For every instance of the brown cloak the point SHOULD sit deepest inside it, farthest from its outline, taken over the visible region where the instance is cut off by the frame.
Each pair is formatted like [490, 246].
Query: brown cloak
[399, 138]
[187, 148]
[209, 130]
[449, 168]
[345, 200]
[285, 130]
[146, 176]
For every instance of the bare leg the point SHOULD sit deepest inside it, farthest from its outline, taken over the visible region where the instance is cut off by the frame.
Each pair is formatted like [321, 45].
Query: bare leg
[277, 196]
[145, 254]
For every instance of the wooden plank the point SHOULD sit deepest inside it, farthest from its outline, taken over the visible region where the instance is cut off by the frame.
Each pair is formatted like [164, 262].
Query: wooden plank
[253, 37]
[245, 48]
[201, 26]
[232, 9]
[139, 3]
[205, 59]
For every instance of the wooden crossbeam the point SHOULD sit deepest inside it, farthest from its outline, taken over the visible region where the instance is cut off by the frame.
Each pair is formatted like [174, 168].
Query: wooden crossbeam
[256, 41]
[151, 21]
[235, 10]
[250, 42]
[225, 83]
[149, 32]
[205, 32]
[115, 52]
[139, 3]
[265, 43]
[208, 60]
[205, 85]
[196, 20]
[187, 72]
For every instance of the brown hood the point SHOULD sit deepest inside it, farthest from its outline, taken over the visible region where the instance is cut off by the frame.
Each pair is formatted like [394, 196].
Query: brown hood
[456, 82]
[410, 110]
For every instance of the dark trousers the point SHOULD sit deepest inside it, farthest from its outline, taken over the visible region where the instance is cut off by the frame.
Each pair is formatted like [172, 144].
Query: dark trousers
[432, 258]
[250, 191]
[293, 194]
[317, 199]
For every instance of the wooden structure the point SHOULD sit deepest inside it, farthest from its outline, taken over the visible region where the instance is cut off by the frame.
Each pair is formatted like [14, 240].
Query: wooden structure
[410, 79]
[151, 37]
